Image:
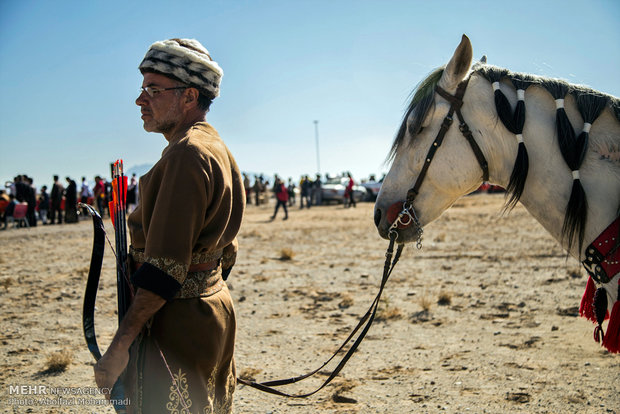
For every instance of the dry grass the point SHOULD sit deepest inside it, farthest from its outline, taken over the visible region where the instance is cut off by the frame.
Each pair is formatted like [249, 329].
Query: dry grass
[59, 361]
[252, 234]
[440, 238]
[342, 388]
[425, 302]
[249, 374]
[575, 272]
[260, 278]
[387, 312]
[346, 301]
[5, 283]
[287, 253]
[445, 298]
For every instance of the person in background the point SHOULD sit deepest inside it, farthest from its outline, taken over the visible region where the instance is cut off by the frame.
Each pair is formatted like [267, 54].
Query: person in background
[8, 212]
[305, 187]
[56, 201]
[71, 201]
[99, 194]
[281, 197]
[291, 192]
[349, 199]
[44, 204]
[258, 188]
[31, 200]
[317, 189]
[132, 194]
[85, 193]
[248, 188]
[4, 202]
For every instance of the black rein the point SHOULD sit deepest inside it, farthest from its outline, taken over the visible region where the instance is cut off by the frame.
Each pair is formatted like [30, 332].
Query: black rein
[367, 319]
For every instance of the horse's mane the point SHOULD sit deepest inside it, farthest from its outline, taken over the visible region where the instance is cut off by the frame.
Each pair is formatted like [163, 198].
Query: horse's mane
[590, 104]
[421, 102]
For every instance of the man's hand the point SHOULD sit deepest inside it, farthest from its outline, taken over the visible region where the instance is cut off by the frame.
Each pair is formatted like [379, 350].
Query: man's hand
[109, 368]
[111, 365]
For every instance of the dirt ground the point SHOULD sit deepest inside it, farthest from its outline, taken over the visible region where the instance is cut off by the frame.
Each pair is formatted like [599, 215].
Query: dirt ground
[482, 319]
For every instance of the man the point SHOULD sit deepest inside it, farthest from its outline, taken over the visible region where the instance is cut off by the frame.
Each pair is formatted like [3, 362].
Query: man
[317, 188]
[71, 201]
[305, 187]
[84, 195]
[132, 194]
[281, 193]
[99, 194]
[31, 200]
[44, 204]
[56, 201]
[181, 323]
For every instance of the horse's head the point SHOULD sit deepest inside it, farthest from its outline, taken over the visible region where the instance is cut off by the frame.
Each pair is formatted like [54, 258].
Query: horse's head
[454, 170]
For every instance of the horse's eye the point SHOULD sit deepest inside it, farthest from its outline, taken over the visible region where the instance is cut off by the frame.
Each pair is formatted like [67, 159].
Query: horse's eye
[420, 130]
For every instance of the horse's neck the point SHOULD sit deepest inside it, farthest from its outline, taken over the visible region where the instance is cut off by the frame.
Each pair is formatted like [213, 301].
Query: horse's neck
[549, 181]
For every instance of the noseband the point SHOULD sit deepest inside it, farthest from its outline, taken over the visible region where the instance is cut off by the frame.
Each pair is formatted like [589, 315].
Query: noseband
[406, 215]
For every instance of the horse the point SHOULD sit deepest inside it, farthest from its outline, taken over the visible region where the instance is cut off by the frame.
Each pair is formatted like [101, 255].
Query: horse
[554, 146]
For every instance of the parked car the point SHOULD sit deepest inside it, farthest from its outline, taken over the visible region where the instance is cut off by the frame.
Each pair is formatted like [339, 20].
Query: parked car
[333, 190]
[372, 189]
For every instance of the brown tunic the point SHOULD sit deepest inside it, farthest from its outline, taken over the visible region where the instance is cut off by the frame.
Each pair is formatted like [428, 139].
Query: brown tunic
[191, 207]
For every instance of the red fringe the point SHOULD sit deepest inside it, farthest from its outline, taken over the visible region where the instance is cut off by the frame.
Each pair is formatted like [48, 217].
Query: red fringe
[611, 340]
[586, 309]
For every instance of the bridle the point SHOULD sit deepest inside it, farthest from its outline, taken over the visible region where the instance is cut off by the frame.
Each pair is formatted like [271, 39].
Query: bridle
[405, 216]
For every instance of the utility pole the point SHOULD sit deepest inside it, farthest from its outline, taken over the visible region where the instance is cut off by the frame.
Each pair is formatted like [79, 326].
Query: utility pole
[316, 135]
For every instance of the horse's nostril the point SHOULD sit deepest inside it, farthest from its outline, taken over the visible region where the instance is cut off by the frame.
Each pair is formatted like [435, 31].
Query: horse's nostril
[377, 216]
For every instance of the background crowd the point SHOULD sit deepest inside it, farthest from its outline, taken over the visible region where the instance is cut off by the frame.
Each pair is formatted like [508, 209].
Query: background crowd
[22, 204]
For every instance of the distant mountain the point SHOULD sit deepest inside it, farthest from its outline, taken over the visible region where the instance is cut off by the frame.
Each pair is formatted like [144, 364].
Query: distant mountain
[139, 170]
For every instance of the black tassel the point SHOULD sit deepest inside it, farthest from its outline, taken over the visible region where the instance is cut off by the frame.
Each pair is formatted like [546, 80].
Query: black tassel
[517, 178]
[566, 138]
[516, 184]
[518, 118]
[504, 110]
[600, 311]
[590, 106]
[575, 216]
[514, 122]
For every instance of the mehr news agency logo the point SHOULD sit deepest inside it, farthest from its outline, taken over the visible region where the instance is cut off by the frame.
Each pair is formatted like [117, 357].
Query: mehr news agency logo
[30, 395]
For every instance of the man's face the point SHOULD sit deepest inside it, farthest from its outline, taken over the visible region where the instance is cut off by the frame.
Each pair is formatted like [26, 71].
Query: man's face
[162, 111]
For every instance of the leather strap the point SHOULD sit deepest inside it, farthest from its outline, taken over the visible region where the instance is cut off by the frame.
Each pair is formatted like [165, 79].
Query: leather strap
[456, 102]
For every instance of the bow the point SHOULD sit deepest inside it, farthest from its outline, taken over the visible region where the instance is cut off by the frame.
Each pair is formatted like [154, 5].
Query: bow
[117, 213]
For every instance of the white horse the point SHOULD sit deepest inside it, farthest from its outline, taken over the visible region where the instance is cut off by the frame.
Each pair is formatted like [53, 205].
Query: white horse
[455, 170]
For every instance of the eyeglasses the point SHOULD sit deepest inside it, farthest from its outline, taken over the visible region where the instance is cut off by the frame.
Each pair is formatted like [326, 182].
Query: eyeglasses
[150, 91]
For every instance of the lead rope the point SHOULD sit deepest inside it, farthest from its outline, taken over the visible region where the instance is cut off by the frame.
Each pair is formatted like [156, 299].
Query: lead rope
[368, 318]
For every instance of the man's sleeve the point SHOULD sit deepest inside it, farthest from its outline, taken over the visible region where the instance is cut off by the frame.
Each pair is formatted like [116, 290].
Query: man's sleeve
[177, 217]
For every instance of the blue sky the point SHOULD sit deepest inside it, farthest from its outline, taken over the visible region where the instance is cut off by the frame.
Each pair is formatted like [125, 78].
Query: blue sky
[69, 78]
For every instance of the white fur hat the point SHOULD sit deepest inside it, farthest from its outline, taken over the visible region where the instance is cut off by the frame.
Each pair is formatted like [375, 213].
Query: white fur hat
[186, 60]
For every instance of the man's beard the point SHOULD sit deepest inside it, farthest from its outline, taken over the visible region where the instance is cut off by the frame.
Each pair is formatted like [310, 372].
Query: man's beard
[165, 127]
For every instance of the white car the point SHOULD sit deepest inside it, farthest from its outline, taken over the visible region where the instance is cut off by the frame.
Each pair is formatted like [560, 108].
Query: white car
[333, 190]
[372, 189]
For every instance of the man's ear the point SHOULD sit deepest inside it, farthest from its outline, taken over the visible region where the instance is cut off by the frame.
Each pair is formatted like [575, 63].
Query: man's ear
[191, 95]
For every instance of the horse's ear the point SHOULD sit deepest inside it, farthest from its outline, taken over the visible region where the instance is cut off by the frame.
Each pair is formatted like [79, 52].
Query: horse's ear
[483, 59]
[458, 67]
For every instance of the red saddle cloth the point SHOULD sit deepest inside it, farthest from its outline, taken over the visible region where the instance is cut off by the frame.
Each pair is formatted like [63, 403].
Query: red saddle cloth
[602, 263]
